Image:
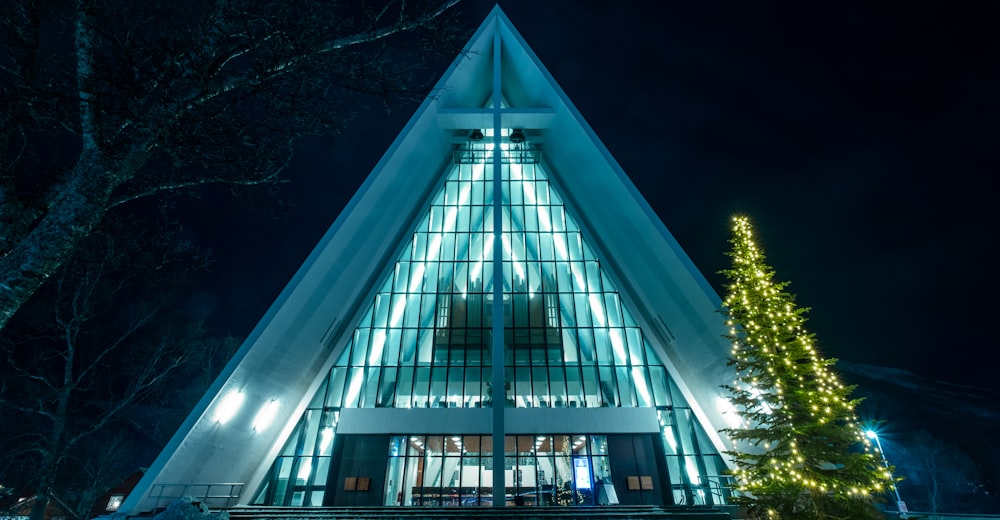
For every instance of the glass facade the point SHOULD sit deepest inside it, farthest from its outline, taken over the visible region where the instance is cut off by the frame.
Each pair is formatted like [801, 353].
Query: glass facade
[426, 341]
[443, 470]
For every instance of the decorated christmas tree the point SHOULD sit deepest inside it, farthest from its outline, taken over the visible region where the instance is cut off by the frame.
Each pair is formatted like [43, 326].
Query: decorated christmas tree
[801, 452]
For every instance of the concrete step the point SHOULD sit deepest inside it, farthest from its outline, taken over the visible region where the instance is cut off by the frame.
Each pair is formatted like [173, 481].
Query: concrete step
[483, 513]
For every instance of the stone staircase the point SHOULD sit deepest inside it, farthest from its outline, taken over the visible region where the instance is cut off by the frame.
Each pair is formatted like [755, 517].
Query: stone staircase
[484, 513]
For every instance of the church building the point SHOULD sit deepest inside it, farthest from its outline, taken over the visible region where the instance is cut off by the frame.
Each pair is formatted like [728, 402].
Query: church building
[497, 318]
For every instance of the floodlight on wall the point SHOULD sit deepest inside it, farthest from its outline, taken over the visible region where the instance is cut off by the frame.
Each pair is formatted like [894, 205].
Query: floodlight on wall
[517, 136]
[229, 406]
[265, 415]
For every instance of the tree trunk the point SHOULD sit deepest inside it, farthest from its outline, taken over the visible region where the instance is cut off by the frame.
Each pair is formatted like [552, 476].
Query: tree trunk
[77, 207]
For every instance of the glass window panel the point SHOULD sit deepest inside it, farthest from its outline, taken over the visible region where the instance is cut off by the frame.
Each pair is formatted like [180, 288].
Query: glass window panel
[516, 193]
[683, 425]
[583, 316]
[567, 310]
[445, 280]
[319, 398]
[408, 346]
[421, 385]
[593, 276]
[387, 389]
[674, 470]
[635, 346]
[456, 381]
[359, 347]
[370, 389]
[430, 280]
[546, 247]
[602, 345]
[618, 347]
[591, 386]
[419, 246]
[393, 336]
[310, 428]
[476, 193]
[626, 390]
[522, 391]
[475, 224]
[464, 217]
[355, 382]
[540, 389]
[558, 217]
[428, 305]
[416, 446]
[587, 354]
[401, 276]
[609, 394]
[425, 346]
[578, 272]
[520, 310]
[557, 386]
[320, 475]
[612, 307]
[404, 387]
[531, 219]
[439, 378]
[574, 387]
[658, 381]
[570, 349]
[382, 304]
[488, 218]
[473, 387]
[410, 310]
[337, 377]
[575, 250]
[437, 217]
[486, 272]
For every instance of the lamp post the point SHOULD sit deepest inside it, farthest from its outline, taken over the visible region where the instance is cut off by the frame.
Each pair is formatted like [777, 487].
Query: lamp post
[900, 505]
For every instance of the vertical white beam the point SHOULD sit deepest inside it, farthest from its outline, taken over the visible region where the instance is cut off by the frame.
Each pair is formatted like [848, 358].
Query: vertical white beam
[499, 393]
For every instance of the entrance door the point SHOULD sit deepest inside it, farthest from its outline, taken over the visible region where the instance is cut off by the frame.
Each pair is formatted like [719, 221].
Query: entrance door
[637, 469]
[357, 475]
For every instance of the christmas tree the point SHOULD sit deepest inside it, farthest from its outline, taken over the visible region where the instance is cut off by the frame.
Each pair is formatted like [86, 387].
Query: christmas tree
[801, 452]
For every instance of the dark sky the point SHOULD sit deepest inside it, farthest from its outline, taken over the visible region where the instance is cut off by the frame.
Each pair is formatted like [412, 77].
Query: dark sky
[861, 138]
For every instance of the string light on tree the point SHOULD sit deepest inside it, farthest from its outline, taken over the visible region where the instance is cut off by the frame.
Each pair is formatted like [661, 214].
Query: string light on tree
[802, 452]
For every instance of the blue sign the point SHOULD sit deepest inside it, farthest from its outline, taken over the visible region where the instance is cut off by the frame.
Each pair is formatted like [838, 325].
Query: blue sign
[581, 472]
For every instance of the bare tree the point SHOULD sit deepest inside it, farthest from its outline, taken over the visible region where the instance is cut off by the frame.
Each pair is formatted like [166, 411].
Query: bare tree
[77, 361]
[104, 102]
[939, 476]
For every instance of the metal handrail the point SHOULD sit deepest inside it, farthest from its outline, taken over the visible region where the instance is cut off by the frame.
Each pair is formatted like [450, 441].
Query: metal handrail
[215, 495]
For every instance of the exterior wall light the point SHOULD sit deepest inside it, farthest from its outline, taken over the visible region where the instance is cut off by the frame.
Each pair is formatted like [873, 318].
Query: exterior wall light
[265, 415]
[229, 406]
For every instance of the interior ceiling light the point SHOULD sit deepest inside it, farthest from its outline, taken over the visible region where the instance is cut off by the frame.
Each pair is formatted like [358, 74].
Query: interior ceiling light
[476, 135]
[517, 136]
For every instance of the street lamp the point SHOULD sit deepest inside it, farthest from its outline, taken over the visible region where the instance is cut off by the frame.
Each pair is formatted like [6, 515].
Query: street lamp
[900, 505]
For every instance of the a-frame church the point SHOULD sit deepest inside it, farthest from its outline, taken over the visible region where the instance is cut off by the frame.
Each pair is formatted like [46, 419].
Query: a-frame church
[498, 317]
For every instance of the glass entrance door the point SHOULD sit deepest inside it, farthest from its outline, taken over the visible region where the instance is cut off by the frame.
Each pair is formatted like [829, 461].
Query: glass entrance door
[457, 470]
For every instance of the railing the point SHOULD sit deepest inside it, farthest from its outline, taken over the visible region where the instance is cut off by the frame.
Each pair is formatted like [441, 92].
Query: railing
[216, 495]
[523, 154]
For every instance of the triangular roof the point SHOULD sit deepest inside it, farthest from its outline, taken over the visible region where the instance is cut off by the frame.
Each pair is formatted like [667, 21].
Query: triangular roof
[292, 348]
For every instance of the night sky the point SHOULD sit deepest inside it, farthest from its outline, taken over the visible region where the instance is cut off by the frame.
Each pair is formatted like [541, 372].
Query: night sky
[860, 137]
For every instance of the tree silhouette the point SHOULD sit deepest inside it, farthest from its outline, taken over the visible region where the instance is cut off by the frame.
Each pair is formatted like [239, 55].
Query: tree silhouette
[104, 102]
